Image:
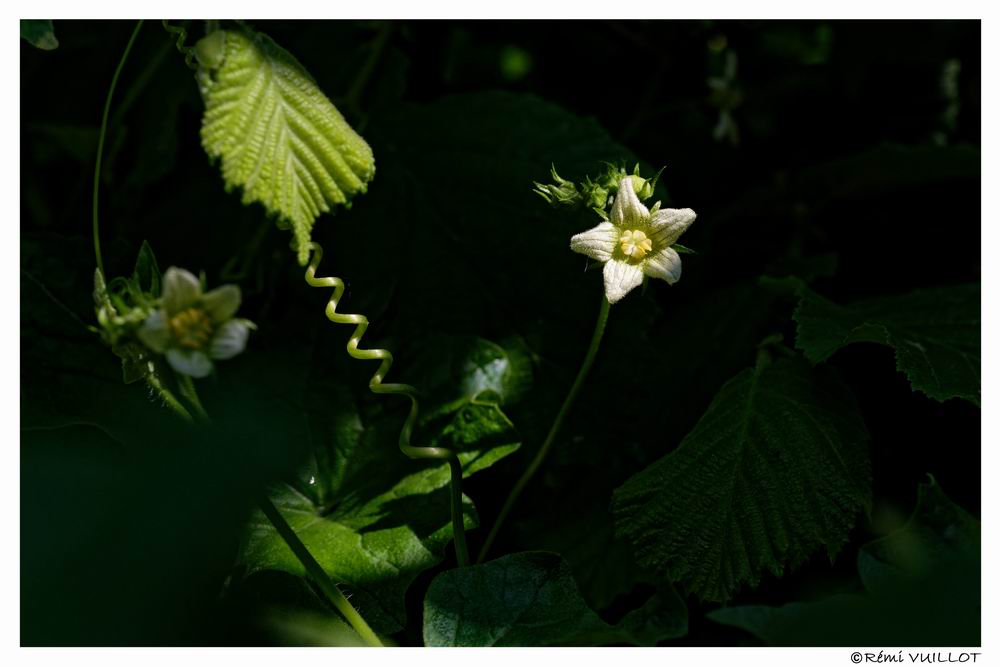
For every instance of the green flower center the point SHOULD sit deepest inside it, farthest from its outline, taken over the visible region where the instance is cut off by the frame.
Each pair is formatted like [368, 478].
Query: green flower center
[192, 328]
[635, 243]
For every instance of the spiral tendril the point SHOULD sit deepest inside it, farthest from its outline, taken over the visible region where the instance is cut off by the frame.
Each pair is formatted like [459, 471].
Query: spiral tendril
[188, 51]
[377, 386]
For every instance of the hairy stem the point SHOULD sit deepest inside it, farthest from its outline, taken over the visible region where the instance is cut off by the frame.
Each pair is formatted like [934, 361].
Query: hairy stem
[360, 323]
[581, 376]
[100, 144]
[168, 397]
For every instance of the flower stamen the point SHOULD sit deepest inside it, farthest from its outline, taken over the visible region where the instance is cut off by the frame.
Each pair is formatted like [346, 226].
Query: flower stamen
[192, 328]
[635, 243]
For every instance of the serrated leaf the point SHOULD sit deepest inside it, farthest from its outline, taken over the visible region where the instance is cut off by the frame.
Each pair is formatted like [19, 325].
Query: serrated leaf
[776, 469]
[278, 136]
[39, 33]
[922, 582]
[935, 333]
[530, 599]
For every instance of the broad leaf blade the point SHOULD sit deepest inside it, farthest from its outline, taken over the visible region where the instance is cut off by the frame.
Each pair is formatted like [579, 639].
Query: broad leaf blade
[776, 469]
[923, 589]
[935, 333]
[530, 599]
[279, 138]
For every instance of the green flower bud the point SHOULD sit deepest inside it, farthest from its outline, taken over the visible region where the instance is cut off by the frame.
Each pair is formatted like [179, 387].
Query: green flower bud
[211, 50]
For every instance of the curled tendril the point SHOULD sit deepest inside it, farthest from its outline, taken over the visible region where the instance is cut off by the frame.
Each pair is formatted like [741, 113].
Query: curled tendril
[379, 387]
[188, 51]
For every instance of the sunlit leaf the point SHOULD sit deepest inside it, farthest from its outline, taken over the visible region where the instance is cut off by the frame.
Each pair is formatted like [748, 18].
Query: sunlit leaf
[278, 136]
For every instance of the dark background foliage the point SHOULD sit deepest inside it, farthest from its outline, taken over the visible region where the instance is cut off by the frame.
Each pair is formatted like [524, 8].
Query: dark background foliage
[854, 166]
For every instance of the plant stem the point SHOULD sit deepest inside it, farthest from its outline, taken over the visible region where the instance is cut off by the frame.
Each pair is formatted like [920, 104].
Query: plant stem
[189, 392]
[317, 573]
[457, 516]
[100, 145]
[353, 98]
[581, 376]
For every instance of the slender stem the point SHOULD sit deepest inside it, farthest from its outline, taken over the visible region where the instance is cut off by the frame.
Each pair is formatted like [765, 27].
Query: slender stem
[189, 392]
[353, 98]
[100, 144]
[457, 515]
[317, 573]
[581, 376]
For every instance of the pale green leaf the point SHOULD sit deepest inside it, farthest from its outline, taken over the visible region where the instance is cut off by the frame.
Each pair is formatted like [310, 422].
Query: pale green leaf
[278, 136]
[935, 333]
[776, 469]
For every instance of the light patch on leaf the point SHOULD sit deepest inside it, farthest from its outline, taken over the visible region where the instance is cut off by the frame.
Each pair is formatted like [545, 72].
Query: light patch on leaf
[278, 136]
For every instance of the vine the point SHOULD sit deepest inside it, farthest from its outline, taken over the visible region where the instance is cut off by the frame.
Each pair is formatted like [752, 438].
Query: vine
[379, 387]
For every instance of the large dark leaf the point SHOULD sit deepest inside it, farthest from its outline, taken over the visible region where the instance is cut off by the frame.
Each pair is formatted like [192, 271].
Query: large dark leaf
[923, 589]
[530, 599]
[935, 333]
[776, 469]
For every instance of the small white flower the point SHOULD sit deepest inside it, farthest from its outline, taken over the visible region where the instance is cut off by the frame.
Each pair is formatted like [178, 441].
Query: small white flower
[192, 328]
[635, 243]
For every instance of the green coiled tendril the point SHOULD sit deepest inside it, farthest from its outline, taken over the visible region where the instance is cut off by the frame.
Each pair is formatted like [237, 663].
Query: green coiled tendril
[187, 51]
[377, 386]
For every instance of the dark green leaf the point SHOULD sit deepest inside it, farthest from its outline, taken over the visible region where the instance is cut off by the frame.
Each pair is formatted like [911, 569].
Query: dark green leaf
[776, 469]
[923, 589]
[530, 599]
[938, 532]
[935, 333]
[39, 33]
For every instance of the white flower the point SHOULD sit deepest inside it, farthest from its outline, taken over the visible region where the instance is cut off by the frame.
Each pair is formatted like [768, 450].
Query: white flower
[192, 328]
[635, 243]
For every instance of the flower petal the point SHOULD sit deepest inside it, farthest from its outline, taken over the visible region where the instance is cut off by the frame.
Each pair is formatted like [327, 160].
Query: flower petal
[190, 362]
[229, 340]
[180, 290]
[620, 278]
[664, 264]
[627, 210]
[222, 302]
[155, 332]
[668, 224]
[597, 243]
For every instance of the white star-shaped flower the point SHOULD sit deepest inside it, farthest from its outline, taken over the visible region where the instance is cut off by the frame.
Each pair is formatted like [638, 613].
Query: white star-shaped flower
[635, 243]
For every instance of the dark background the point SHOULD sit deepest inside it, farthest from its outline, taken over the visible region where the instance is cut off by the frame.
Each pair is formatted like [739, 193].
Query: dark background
[853, 164]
